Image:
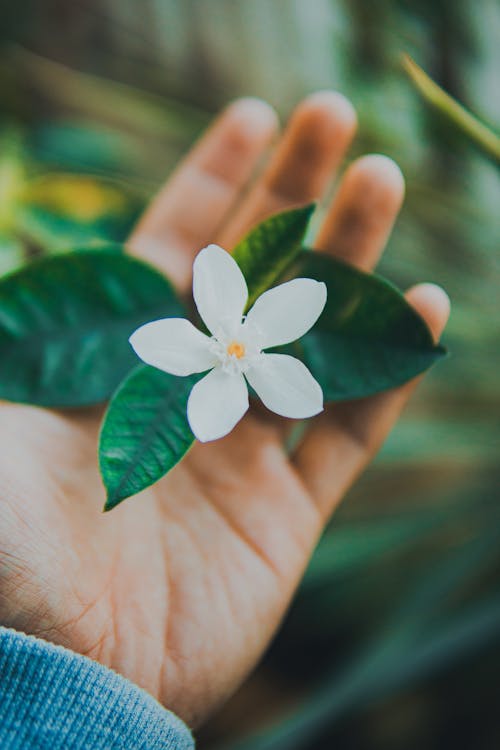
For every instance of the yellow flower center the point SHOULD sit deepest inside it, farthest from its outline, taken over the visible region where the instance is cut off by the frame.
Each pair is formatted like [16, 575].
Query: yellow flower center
[236, 349]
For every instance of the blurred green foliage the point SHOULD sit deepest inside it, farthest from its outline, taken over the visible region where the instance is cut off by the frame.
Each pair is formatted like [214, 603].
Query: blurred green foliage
[394, 639]
[48, 211]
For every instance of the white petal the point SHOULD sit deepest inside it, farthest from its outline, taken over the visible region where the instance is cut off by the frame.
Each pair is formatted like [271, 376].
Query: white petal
[219, 289]
[216, 404]
[173, 345]
[287, 312]
[286, 386]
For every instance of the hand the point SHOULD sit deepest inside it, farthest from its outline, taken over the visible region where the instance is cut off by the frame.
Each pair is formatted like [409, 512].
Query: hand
[181, 589]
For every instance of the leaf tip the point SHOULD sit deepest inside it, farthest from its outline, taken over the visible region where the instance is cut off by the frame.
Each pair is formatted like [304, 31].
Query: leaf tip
[112, 500]
[308, 209]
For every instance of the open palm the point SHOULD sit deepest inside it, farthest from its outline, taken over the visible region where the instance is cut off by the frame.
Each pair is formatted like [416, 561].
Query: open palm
[181, 588]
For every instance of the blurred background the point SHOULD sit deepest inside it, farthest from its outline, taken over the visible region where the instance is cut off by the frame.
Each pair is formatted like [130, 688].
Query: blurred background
[393, 640]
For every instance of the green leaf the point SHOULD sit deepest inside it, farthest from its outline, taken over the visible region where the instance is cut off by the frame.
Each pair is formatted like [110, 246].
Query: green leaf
[145, 431]
[368, 338]
[65, 323]
[267, 251]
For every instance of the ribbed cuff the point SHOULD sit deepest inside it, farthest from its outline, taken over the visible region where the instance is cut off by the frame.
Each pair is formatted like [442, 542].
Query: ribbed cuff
[54, 699]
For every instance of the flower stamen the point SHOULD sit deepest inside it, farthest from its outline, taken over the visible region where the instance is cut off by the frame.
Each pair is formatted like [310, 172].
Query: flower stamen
[236, 349]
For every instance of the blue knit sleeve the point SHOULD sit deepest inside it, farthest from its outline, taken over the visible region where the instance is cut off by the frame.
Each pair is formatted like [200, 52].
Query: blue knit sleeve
[54, 699]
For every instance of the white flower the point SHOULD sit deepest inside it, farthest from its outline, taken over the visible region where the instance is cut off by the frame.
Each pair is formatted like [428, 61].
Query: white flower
[235, 350]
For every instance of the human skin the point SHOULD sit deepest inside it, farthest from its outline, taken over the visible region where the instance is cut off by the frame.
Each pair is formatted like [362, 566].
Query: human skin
[181, 588]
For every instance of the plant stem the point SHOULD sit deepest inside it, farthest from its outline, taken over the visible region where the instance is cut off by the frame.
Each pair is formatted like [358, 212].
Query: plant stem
[483, 136]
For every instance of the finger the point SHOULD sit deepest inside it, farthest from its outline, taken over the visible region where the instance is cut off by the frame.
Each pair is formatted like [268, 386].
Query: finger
[188, 211]
[345, 439]
[363, 211]
[361, 217]
[311, 149]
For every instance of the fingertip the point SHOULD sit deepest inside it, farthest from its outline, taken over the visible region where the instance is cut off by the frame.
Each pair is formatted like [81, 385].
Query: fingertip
[384, 167]
[382, 172]
[433, 304]
[332, 102]
[252, 115]
[328, 115]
